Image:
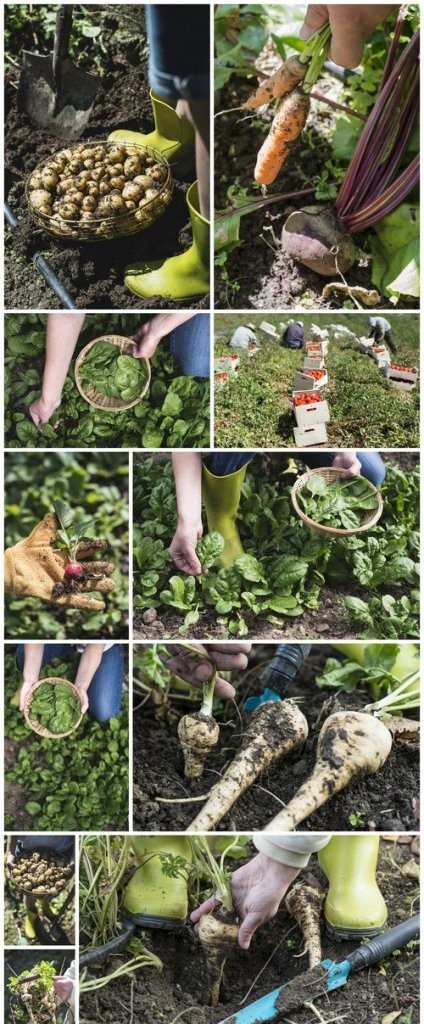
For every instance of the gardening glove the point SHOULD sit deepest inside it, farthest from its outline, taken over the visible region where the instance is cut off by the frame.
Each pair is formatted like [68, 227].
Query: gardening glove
[197, 671]
[32, 567]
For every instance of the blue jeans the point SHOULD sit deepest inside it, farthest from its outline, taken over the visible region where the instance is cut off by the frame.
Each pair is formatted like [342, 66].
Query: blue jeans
[223, 463]
[178, 37]
[105, 690]
[60, 844]
[189, 344]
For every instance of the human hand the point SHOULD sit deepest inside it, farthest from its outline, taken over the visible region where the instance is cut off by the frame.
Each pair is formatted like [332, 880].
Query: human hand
[32, 567]
[83, 695]
[196, 671]
[63, 989]
[351, 25]
[42, 409]
[25, 689]
[146, 339]
[348, 461]
[183, 547]
[257, 889]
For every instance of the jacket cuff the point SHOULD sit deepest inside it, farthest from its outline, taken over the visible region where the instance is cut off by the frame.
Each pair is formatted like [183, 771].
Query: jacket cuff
[294, 851]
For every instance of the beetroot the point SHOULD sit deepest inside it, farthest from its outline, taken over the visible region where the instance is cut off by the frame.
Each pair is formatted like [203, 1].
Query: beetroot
[315, 237]
[74, 570]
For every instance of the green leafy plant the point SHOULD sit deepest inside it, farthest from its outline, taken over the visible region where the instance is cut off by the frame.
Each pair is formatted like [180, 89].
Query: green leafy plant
[34, 1000]
[340, 503]
[112, 373]
[55, 707]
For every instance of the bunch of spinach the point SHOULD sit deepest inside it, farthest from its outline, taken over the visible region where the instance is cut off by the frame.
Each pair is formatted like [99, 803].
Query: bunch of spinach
[55, 707]
[283, 570]
[79, 782]
[174, 414]
[340, 503]
[112, 373]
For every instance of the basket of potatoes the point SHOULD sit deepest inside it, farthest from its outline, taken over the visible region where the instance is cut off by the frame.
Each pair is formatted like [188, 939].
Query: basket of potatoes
[43, 873]
[99, 190]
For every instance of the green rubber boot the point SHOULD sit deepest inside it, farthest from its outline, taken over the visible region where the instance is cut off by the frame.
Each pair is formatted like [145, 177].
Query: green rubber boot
[178, 278]
[221, 498]
[354, 905]
[151, 898]
[173, 136]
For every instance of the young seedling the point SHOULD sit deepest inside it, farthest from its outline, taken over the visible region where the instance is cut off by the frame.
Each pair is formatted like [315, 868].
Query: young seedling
[199, 732]
[275, 729]
[75, 574]
[350, 744]
[304, 903]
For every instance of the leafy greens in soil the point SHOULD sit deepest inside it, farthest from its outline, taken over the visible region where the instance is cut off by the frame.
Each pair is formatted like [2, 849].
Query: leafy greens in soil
[285, 566]
[78, 782]
[174, 412]
[340, 504]
[55, 707]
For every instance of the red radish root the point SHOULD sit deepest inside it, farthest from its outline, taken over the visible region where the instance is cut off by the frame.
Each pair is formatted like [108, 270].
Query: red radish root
[198, 734]
[304, 903]
[279, 84]
[315, 237]
[350, 744]
[218, 935]
[275, 729]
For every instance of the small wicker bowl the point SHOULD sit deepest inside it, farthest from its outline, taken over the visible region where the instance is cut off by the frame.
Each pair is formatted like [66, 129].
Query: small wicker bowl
[107, 227]
[44, 895]
[95, 397]
[41, 729]
[330, 476]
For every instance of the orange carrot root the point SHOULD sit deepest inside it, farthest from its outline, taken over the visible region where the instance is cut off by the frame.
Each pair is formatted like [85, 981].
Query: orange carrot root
[279, 84]
[286, 127]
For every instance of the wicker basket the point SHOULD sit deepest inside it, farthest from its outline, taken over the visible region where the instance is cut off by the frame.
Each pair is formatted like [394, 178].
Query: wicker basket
[108, 227]
[95, 397]
[330, 476]
[44, 895]
[41, 729]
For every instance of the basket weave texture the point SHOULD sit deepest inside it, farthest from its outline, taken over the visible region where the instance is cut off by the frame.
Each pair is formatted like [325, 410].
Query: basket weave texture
[330, 476]
[41, 729]
[95, 397]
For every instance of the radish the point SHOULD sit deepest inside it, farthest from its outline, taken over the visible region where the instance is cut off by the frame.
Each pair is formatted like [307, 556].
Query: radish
[74, 570]
[304, 903]
[218, 934]
[276, 728]
[350, 744]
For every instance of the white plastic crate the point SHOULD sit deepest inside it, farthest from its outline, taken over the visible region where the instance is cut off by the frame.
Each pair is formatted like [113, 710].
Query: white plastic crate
[319, 348]
[221, 379]
[380, 353]
[409, 374]
[310, 436]
[227, 364]
[314, 412]
[302, 382]
[268, 329]
[313, 362]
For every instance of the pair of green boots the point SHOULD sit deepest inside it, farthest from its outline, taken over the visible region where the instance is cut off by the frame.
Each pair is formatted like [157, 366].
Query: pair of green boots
[186, 276]
[354, 905]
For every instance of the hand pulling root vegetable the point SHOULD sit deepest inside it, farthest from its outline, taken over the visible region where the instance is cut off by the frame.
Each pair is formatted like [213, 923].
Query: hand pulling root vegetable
[350, 744]
[218, 934]
[279, 84]
[198, 733]
[289, 121]
[276, 728]
[304, 903]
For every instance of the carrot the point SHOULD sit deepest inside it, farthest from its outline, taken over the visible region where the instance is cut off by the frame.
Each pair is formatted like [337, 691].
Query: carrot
[275, 729]
[286, 127]
[279, 84]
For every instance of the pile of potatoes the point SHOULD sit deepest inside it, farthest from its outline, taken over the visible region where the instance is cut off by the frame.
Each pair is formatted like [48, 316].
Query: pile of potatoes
[99, 189]
[41, 872]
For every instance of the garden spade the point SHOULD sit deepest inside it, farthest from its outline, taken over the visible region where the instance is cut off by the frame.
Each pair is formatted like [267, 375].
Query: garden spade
[52, 90]
[325, 977]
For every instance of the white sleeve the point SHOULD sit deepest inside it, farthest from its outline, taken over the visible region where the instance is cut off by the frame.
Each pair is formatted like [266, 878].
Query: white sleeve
[293, 850]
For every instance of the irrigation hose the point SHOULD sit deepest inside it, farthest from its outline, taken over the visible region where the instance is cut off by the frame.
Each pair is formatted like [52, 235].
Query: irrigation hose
[44, 267]
[95, 956]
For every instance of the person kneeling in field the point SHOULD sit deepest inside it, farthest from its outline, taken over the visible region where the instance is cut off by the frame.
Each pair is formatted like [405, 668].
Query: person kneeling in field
[99, 678]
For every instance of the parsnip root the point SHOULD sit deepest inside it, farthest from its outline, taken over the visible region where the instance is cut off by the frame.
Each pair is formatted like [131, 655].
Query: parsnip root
[218, 934]
[198, 735]
[304, 903]
[276, 728]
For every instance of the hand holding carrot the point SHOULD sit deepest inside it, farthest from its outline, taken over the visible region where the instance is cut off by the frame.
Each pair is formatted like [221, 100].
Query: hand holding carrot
[351, 25]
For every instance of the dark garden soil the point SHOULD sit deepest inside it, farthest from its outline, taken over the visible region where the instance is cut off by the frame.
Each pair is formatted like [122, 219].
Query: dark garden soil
[262, 275]
[92, 273]
[387, 801]
[152, 997]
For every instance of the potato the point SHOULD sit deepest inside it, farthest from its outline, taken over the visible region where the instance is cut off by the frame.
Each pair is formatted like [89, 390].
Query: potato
[158, 172]
[49, 178]
[131, 191]
[130, 205]
[89, 203]
[75, 166]
[35, 181]
[132, 166]
[68, 211]
[104, 187]
[89, 163]
[99, 152]
[118, 181]
[116, 155]
[64, 156]
[87, 215]
[93, 190]
[97, 173]
[143, 180]
[40, 197]
[151, 193]
[75, 197]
